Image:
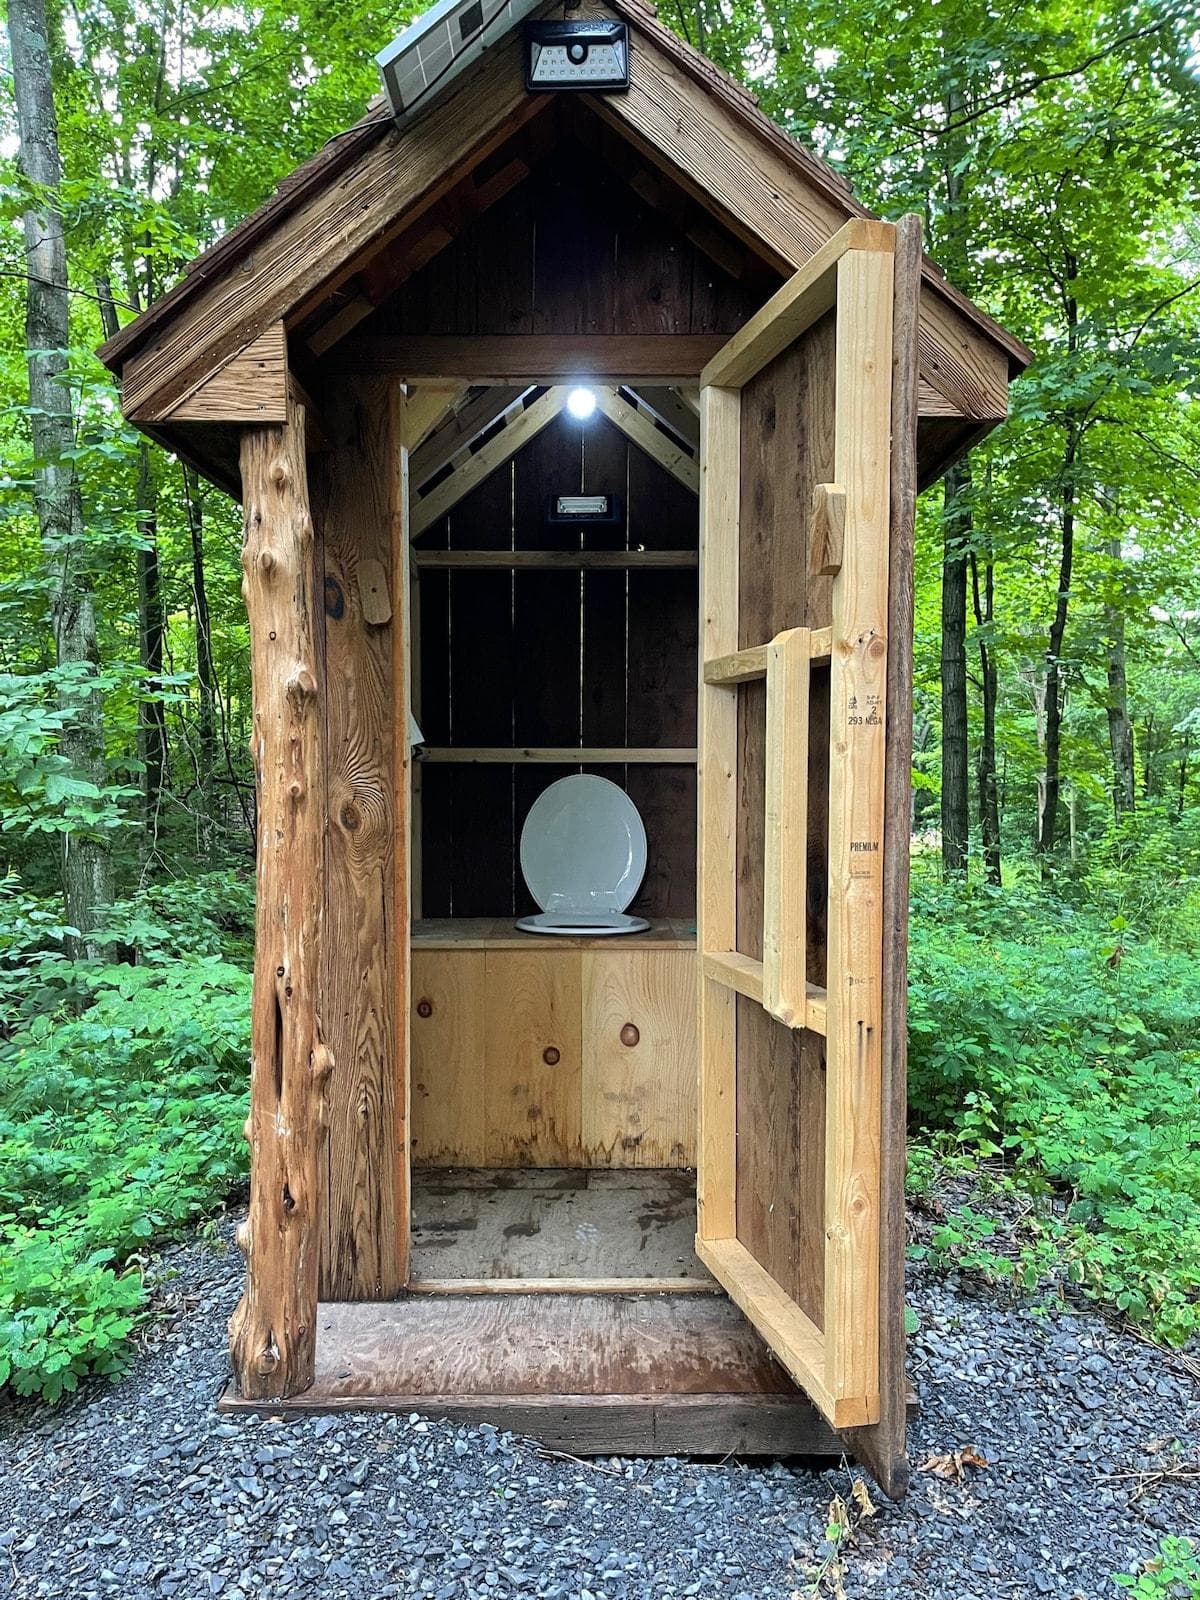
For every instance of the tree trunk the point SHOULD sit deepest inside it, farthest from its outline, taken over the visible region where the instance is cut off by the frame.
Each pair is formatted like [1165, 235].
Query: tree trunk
[87, 865]
[205, 675]
[152, 720]
[956, 530]
[1051, 786]
[985, 771]
[273, 1331]
[1120, 728]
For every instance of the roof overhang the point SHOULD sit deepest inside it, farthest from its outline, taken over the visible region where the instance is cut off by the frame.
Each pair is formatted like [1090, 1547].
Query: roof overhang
[183, 363]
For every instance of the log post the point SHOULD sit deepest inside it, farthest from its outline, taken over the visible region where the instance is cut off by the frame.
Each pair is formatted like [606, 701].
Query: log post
[273, 1330]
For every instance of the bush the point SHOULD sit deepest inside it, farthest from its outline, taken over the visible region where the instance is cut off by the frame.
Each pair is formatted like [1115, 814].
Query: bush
[122, 1095]
[1070, 1048]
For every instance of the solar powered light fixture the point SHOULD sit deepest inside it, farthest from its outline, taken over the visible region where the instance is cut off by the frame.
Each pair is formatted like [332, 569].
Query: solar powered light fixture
[589, 54]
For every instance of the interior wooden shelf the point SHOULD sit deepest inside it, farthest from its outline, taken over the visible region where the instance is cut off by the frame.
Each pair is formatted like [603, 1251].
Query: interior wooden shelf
[500, 933]
[566, 560]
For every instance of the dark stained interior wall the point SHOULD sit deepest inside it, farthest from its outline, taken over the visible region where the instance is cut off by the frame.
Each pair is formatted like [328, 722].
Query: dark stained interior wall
[572, 249]
[787, 446]
[557, 658]
[606, 658]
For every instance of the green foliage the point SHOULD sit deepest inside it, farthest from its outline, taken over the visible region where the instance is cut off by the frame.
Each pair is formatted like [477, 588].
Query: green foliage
[122, 1095]
[1172, 1574]
[1068, 1049]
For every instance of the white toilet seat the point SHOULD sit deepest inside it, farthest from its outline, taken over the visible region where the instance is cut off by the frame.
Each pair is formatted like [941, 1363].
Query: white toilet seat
[583, 856]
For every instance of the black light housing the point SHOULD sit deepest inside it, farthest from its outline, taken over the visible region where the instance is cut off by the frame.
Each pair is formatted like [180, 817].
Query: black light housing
[587, 55]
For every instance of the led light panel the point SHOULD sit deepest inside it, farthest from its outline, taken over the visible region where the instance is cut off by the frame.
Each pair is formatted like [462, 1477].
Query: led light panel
[577, 55]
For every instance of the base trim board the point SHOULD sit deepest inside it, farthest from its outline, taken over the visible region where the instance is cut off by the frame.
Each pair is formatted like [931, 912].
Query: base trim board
[621, 1424]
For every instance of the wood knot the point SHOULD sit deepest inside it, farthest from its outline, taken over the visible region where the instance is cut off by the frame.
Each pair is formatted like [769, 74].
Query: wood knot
[350, 817]
[877, 647]
[424, 1008]
[267, 562]
[630, 1035]
[302, 686]
[281, 475]
[551, 1056]
[296, 789]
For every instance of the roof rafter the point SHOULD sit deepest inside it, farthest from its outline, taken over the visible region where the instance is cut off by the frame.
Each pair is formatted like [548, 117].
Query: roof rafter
[524, 424]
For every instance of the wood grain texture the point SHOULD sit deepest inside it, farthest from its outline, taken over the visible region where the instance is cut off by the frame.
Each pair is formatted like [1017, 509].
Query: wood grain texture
[719, 1426]
[483, 933]
[785, 855]
[534, 1031]
[556, 1344]
[748, 177]
[720, 506]
[883, 1446]
[273, 1330]
[639, 1058]
[398, 176]
[501, 447]
[487, 1012]
[449, 1111]
[363, 978]
[561, 1226]
[857, 720]
[658, 445]
[549, 358]
[805, 296]
[788, 429]
[794, 1338]
[251, 388]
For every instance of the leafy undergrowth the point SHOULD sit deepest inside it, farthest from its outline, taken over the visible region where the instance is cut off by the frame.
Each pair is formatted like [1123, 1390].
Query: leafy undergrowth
[1172, 1574]
[1054, 1055]
[122, 1094]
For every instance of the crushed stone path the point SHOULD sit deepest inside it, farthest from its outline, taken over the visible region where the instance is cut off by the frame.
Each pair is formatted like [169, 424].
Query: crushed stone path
[139, 1489]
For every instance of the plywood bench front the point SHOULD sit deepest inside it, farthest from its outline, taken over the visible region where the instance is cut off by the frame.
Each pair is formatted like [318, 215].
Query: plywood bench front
[553, 1053]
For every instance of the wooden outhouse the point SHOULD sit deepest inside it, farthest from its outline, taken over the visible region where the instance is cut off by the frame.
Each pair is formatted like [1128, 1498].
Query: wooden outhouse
[641, 1193]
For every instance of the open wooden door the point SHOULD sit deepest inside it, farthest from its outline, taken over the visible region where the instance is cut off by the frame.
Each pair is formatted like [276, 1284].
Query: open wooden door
[809, 478]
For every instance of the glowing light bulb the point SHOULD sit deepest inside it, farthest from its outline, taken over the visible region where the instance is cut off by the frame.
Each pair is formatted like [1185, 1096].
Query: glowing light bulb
[581, 403]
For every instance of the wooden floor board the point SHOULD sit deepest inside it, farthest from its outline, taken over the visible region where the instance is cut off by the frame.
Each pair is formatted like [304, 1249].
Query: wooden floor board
[554, 1223]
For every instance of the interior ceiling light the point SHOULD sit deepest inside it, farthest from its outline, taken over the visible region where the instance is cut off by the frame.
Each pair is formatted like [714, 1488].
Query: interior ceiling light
[581, 403]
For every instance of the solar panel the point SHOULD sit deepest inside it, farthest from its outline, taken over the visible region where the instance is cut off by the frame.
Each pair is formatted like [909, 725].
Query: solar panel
[443, 41]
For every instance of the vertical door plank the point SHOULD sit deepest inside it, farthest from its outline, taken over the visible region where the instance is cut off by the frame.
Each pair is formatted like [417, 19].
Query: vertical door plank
[882, 1446]
[858, 691]
[720, 454]
[785, 975]
[788, 445]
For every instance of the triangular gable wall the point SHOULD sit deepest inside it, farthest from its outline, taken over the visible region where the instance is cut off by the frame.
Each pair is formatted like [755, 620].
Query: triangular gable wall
[348, 204]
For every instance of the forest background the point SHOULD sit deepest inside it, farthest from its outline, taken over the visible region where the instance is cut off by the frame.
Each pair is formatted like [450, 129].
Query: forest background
[1053, 150]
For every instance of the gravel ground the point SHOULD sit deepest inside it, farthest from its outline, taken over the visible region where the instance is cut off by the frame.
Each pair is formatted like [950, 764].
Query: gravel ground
[140, 1489]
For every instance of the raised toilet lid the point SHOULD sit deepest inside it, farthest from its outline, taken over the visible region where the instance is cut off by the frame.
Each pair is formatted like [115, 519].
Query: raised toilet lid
[583, 847]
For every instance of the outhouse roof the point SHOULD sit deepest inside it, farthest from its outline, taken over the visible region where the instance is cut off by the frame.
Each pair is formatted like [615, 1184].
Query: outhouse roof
[373, 182]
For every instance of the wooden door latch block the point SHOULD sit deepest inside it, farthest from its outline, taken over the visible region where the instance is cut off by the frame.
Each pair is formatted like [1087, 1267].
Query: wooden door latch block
[826, 530]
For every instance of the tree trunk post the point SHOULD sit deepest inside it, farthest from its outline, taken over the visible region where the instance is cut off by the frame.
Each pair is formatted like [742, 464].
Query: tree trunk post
[273, 1330]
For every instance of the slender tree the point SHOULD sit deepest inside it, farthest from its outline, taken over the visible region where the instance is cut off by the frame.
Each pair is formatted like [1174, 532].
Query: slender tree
[86, 863]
